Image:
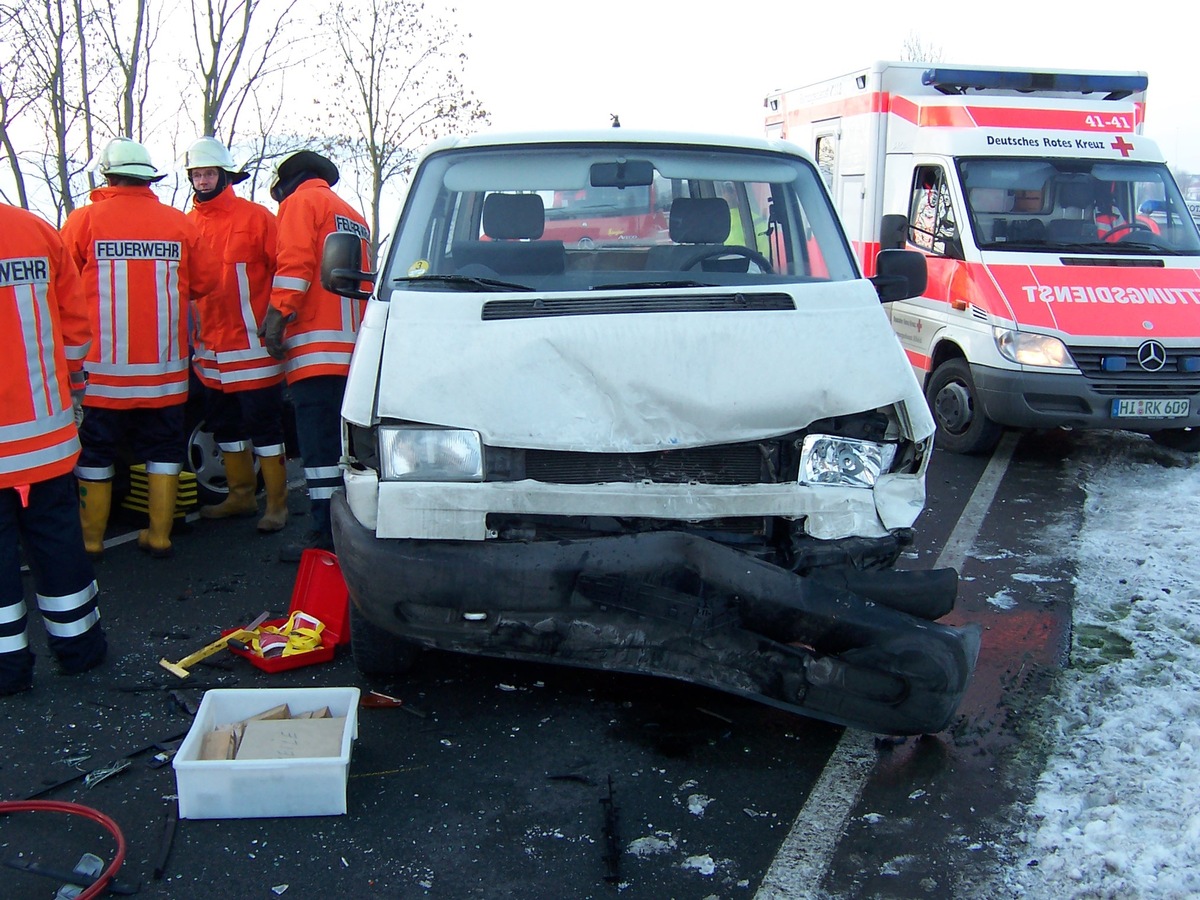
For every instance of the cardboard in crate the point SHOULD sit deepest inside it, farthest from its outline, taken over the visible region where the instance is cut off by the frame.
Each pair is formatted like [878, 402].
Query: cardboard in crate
[264, 788]
[320, 591]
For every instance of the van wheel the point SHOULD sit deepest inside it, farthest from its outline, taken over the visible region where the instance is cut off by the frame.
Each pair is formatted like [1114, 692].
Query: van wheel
[1185, 439]
[962, 426]
[376, 651]
[204, 460]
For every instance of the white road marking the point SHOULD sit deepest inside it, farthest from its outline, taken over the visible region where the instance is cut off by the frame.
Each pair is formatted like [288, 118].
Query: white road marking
[803, 859]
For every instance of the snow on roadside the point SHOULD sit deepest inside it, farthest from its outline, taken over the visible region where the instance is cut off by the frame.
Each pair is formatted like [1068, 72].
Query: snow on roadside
[1117, 809]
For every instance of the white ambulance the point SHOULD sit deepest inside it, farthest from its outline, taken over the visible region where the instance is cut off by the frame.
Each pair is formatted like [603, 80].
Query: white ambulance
[1064, 288]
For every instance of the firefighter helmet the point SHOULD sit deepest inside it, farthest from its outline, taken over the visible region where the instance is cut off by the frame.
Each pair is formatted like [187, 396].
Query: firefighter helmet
[209, 153]
[125, 156]
[303, 161]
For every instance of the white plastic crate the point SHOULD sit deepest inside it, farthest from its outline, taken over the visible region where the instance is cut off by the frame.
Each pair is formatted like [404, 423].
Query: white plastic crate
[264, 788]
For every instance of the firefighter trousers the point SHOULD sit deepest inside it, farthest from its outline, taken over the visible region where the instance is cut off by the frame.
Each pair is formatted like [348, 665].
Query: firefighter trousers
[318, 407]
[63, 580]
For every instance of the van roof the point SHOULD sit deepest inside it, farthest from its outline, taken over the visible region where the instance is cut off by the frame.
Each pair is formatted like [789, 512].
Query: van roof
[614, 135]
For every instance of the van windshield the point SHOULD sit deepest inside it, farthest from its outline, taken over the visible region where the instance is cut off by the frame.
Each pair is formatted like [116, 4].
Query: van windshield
[1078, 205]
[591, 216]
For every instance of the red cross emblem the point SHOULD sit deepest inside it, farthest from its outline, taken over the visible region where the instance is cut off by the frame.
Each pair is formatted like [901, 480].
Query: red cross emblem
[1123, 145]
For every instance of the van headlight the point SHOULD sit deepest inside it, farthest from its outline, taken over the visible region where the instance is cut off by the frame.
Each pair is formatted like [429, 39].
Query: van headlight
[429, 454]
[829, 459]
[1032, 349]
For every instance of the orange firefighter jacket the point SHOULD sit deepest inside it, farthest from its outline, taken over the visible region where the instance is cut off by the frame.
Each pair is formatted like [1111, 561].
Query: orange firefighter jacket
[320, 339]
[142, 263]
[44, 336]
[242, 236]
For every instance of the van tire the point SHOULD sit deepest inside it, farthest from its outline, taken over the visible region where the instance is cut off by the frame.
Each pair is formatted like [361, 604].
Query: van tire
[376, 651]
[962, 425]
[1186, 440]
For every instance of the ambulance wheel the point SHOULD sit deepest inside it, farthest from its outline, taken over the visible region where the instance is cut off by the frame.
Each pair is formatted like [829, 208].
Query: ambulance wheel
[962, 425]
[1184, 439]
[376, 651]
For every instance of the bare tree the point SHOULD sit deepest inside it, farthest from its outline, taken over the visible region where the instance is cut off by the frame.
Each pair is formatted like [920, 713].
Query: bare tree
[231, 67]
[14, 95]
[916, 49]
[132, 56]
[397, 81]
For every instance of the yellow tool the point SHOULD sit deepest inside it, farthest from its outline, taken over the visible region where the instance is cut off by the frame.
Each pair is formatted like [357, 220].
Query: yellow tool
[181, 668]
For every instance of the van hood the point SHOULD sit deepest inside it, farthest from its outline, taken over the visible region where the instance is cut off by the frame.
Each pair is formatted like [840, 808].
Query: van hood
[1096, 301]
[630, 382]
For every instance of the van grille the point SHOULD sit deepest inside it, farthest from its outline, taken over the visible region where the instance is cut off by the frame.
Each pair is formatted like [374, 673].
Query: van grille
[752, 463]
[1135, 381]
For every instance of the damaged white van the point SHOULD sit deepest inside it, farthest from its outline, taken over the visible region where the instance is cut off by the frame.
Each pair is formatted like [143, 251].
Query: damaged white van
[625, 401]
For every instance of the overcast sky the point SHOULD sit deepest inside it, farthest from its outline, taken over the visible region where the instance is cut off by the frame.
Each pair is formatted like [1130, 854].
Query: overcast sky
[689, 66]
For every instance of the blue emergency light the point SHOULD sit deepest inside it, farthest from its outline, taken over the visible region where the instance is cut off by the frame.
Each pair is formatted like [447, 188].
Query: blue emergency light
[1189, 364]
[959, 81]
[1113, 363]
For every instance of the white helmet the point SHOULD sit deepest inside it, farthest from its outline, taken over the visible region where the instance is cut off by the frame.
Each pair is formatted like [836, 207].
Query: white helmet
[125, 156]
[208, 152]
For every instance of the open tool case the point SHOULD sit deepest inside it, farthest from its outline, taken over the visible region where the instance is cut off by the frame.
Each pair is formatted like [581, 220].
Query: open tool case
[321, 592]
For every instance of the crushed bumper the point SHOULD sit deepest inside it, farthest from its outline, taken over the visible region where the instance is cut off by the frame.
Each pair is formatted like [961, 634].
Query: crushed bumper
[679, 606]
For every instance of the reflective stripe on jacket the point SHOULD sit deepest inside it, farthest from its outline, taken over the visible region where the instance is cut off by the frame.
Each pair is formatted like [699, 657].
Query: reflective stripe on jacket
[243, 237]
[320, 339]
[44, 337]
[142, 262]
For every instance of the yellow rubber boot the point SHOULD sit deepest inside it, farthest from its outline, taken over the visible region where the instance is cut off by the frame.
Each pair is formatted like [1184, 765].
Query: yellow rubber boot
[274, 473]
[95, 501]
[239, 473]
[156, 540]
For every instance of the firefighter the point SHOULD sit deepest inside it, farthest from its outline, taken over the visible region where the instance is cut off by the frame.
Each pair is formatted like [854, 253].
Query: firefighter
[142, 263]
[245, 405]
[309, 328]
[44, 333]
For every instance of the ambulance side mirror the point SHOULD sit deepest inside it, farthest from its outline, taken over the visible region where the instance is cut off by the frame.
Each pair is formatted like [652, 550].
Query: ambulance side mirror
[899, 275]
[341, 266]
[893, 232]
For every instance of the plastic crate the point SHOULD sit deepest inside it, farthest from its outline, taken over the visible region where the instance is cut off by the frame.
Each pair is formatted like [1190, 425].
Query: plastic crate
[264, 788]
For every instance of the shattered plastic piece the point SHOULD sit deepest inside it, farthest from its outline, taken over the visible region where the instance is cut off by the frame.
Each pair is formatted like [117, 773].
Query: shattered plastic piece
[704, 865]
[96, 776]
[279, 888]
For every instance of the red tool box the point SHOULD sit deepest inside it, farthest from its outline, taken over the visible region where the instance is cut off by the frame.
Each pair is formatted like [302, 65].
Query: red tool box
[320, 591]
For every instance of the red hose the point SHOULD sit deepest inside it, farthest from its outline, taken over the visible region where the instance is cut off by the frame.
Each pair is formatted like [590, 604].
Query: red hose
[77, 809]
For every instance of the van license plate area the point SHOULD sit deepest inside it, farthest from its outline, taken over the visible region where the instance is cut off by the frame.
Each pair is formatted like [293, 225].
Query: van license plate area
[1142, 408]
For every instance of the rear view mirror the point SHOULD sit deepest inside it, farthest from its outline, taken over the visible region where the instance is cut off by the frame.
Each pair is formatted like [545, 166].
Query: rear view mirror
[623, 173]
[341, 266]
[893, 232]
[899, 275]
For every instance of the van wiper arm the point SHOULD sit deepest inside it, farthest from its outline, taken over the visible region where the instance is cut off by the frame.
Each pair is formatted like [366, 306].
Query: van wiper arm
[466, 282]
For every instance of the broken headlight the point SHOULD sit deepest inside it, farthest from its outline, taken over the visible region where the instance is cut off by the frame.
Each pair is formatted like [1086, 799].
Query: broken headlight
[829, 459]
[430, 454]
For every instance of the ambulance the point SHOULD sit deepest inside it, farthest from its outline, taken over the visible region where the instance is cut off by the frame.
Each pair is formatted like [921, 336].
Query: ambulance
[1064, 265]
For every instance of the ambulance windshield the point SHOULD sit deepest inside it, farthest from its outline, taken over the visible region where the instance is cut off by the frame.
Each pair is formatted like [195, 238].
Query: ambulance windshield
[615, 214]
[1083, 206]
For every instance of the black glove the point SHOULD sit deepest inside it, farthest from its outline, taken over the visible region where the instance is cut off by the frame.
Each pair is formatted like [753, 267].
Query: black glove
[271, 331]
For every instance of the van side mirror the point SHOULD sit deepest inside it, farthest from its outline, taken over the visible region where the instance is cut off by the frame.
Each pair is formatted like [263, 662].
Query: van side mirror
[899, 274]
[893, 232]
[341, 266]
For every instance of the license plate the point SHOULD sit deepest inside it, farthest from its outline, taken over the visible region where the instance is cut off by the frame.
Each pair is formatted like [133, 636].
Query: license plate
[1140, 408]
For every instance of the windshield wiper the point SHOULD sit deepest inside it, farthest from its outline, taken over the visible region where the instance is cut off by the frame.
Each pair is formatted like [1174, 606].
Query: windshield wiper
[464, 281]
[641, 285]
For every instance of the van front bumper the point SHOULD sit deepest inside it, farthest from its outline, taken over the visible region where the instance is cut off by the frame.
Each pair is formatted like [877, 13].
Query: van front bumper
[677, 605]
[1051, 400]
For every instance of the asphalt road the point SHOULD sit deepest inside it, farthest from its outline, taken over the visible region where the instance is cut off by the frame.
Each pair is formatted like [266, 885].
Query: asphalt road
[490, 781]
